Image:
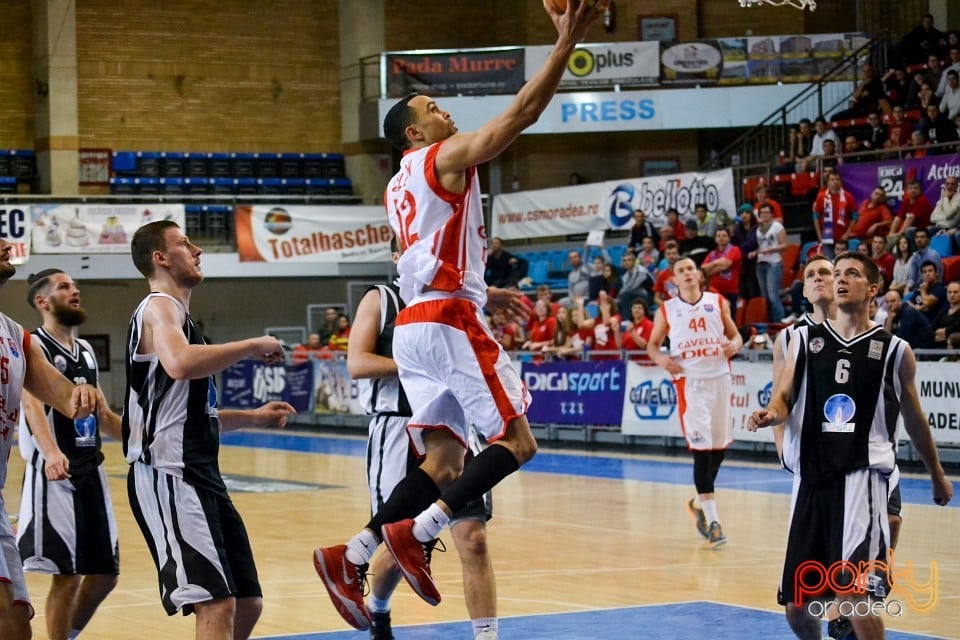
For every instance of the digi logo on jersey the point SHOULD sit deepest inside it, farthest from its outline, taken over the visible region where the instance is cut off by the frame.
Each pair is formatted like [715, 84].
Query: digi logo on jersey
[654, 401]
[838, 411]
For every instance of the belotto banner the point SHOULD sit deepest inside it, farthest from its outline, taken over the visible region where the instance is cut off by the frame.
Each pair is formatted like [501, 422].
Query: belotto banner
[575, 392]
[453, 73]
[628, 64]
[861, 178]
[312, 234]
[608, 205]
[95, 228]
[15, 229]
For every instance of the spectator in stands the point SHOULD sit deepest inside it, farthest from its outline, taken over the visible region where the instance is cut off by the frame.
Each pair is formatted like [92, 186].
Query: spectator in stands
[924, 254]
[920, 145]
[874, 134]
[641, 229]
[873, 216]
[903, 251]
[883, 258]
[772, 240]
[674, 221]
[853, 150]
[546, 294]
[606, 327]
[831, 159]
[925, 97]
[542, 329]
[503, 268]
[930, 295]
[931, 77]
[945, 217]
[340, 338]
[923, 41]
[667, 234]
[938, 128]
[694, 245]
[664, 288]
[612, 282]
[636, 282]
[952, 64]
[507, 332]
[566, 332]
[745, 238]
[303, 352]
[899, 131]
[595, 280]
[329, 326]
[762, 194]
[867, 96]
[914, 212]
[834, 211]
[578, 280]
[947, 322]
[896, 85]
[950, 102]
[648, 256]
[799, 145]
[817, 150]
[637, 330]
[706, 223]
[723, 266]
[906, 322]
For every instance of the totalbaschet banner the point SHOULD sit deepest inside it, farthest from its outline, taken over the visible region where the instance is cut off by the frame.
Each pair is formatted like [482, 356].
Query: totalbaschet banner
[609, 205]
[312, 234]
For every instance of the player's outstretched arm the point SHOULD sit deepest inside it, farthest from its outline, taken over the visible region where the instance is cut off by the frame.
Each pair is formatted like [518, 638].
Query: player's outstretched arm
[272, 414]
[915, 422]
[110, 423]
[465, 150]
[56, 466]
[52, 388]
[508, 301]
[363, 361]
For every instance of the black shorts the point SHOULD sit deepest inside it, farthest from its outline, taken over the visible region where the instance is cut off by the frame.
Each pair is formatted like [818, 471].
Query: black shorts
[895, 501]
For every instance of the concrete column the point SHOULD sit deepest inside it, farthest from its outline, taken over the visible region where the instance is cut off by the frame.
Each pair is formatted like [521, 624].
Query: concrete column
[55, 69]
[362, 34]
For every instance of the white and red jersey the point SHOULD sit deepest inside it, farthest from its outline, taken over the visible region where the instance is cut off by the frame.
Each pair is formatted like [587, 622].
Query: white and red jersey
[442, 234]
[14, 343]
[697, 335]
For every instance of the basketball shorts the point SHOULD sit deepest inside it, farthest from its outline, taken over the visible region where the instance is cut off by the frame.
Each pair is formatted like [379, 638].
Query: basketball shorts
[196, 537]
[67, 527]
[451, 366]
[704, 406]
[894, 500]
[390, 457]
[839, 520]
[11, 571]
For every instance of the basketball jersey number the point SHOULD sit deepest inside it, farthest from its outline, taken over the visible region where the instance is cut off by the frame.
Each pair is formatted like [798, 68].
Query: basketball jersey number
[697, 324]
[4, 370]
[406, 211]
[842, 373]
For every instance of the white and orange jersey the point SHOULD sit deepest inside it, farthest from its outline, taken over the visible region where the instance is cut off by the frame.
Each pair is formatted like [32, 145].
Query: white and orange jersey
[697, 335]
[442, 234]
[14, 343]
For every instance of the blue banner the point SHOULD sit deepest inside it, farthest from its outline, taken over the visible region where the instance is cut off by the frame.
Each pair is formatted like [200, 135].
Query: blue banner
[575, 392]
[248, 384]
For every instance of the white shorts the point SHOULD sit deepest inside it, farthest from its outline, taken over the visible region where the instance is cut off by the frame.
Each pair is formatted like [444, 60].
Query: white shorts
[451, 366]
[11, 571]
[705, 418]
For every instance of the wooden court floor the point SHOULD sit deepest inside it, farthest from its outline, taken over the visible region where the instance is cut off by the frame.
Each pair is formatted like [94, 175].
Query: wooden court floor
[560, 542]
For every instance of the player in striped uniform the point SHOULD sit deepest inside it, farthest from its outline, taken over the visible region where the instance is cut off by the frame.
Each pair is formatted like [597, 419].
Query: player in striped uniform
[171, 439]
[23, 366]
[843, 386]
[450, 364]
[390, 458]
[703, 338]
[66, 526]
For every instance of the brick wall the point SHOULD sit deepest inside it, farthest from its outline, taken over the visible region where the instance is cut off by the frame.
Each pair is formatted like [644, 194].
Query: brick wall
[16, 76]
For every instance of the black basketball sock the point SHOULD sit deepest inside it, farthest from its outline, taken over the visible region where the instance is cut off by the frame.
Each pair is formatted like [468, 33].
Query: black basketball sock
[413, 494]
[494, 464]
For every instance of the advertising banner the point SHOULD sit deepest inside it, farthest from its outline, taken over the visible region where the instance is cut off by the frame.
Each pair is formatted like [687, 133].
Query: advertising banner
[691, 63]
[575, 392]
[452, 73]
[608, 205]
[628, 64]
[95, 228]
[650, 401]
[249, 383]
[861, 178]
[334, 391]
[312, 234]
[939, 396]
[14, 228]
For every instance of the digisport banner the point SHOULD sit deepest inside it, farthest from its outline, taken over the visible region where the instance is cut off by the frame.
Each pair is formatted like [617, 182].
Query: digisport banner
[312, 234]
[608, 205]
[628, 64]
[575, 392]
[95, 228]
[249, 383]
[650, 401]
[861, 178]
[452, 73]
[14, 228]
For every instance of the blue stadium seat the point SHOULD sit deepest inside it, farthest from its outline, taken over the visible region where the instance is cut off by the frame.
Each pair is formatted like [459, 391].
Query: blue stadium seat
[244, 165]
[219, 165]
[805, 249]
[245, 186]
[291, 165]
[616, 253]
[943, 245]
[147, 185]
[223, 186]
[148, 164]
[23, 164]
[853, 244]
[122, 186]
[171, 186]
[171, 164]
[268, 186]
[196, 186]
[196, 165]
[267, 164]
[293, 186]
[8, 184]
[539, 271]
[124, 163]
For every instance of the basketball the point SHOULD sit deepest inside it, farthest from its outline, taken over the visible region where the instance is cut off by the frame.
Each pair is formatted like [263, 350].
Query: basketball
[561, 5]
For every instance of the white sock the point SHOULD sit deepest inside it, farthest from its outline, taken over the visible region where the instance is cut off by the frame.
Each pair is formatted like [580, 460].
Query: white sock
[710, 510]
[378, 605]
[430, 523]
[361, 547]
[484, 628]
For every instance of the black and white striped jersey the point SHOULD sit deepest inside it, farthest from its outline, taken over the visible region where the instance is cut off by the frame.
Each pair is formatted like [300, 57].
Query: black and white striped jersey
[385, 396]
